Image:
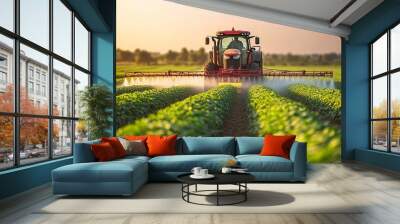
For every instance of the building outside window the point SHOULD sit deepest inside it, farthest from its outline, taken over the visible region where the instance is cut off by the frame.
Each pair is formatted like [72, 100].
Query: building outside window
[55, 97]
[59, 127]
[38, 75]
[38, 89]
[3, 61]
[43, 90]
[30, 72]
[30, 87]
[3, 78]
[44, 77]
[3, 72]
[385, 94]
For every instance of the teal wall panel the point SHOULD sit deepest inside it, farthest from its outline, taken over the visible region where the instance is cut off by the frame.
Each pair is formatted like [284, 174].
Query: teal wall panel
[355, 69]
[103, 62]
[24, 178]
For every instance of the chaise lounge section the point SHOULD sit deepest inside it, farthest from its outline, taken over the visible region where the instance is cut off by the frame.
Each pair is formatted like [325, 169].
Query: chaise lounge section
[125, 176]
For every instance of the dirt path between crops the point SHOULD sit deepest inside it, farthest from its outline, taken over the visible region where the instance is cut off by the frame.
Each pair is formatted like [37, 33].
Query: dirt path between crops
[237, 121]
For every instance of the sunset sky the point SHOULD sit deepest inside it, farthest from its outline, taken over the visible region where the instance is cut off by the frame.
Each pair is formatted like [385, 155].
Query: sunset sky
[158, 26]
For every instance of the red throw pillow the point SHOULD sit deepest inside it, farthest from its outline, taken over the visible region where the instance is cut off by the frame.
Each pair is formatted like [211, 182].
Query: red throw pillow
[161, 145]
[103, 152]
[116, 145]
[277, 145]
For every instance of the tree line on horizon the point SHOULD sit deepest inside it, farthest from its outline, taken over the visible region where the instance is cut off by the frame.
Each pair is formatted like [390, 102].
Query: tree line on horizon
[200, 57]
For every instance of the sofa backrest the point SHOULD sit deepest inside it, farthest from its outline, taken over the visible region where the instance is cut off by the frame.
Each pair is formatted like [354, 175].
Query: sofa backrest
[249, 145]
[83, 152]
[206, 145]
[190, 146]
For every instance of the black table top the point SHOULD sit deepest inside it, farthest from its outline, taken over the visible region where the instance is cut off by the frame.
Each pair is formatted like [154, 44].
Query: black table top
[220, 178]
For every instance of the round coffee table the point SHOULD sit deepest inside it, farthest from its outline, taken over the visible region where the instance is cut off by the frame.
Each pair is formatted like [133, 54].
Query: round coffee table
[238, 179]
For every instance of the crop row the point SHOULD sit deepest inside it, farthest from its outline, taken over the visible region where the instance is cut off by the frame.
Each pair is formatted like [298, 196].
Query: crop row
[326, 101]
[201, 114]
[131, 89]
[272, 114]
[135, 105]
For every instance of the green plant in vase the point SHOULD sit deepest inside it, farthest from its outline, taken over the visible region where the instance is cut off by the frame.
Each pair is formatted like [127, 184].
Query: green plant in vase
[96, 103]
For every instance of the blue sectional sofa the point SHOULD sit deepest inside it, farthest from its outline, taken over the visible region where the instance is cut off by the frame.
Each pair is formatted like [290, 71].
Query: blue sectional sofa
[125, 176]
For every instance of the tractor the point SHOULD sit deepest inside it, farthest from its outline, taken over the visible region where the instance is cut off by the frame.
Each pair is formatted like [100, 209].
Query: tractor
[233, 55]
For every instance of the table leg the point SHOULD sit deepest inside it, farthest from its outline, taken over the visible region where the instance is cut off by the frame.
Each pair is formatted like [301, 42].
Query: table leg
[188, 190]
[217, 194]
[182, 188]
[195, 188]
[245, 193]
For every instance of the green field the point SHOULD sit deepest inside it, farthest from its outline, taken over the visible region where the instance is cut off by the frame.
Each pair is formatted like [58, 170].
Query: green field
[123, 68]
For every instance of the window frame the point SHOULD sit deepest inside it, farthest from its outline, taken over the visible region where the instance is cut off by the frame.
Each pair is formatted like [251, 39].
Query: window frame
[388, 74]
[16, 114]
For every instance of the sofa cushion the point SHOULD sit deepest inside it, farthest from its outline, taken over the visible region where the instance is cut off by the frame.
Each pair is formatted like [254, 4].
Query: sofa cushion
[257, 163]
[133, 157]
[185, 163]
[112, 171]
[249, 145]
[208, 145]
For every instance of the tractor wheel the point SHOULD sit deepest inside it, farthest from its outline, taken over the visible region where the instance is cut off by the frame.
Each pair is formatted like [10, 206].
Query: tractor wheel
[254, 66]
[211, 67]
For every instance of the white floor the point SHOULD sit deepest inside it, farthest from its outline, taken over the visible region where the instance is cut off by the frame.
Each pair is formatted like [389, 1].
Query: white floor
[377, 190]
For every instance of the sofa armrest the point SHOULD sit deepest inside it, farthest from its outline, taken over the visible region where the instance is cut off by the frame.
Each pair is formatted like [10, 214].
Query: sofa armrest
[83, 152]
[298, 155]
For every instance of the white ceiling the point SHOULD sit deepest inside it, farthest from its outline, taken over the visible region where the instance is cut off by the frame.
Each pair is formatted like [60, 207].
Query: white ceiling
[321, 9]
[314, 15]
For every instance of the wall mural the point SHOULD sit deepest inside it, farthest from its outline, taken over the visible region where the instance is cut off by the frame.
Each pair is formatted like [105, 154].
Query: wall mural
[179, 73]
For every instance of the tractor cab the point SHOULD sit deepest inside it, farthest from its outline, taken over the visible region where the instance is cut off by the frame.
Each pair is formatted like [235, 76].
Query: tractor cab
[232, 53]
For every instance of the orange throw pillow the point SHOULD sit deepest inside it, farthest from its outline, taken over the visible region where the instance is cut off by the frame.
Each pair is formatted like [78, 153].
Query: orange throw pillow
[277, 145]
[116, 145]
[103, 151]
[161, 145]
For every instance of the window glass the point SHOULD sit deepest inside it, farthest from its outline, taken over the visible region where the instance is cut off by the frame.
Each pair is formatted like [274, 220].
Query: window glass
[395, 95]
[38, 102]
[62, 89]
[395, 136]
[34, 81]
[239, 43]
[7, 14]
[6, 74]
[379, 135]
[62, 29]
[62, 138]
[81, 45]
[379, 98]
[379, 55]
[395, 47]
[33, 140]
[34, 21]
[81, 82]
[6, 142]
